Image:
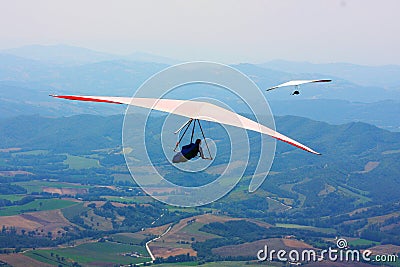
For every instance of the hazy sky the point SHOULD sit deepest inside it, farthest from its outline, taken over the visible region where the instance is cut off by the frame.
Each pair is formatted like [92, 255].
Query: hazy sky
[356, 31]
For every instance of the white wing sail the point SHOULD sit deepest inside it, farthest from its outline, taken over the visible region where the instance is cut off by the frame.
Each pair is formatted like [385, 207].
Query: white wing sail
[194, 110]
[297, 83]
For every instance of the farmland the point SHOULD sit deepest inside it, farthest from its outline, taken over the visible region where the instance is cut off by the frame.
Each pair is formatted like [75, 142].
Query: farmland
[37, 205]
[250, 249]
[98, 253]
[12, 197]
[177, 241]
[39, 186]
[70, 204]
[77, 162]
[296, 226]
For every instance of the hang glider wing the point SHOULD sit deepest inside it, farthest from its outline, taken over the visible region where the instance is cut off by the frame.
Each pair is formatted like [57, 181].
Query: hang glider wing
[297, 83]
[194, 110]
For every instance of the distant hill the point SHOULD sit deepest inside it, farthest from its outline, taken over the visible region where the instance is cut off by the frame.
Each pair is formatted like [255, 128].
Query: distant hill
[355, 137]
[73, 55]
[16, 99]
[383, 114]
[28, 74]
[105, 73]
[27, 98]
[105, 77]
[64, 133]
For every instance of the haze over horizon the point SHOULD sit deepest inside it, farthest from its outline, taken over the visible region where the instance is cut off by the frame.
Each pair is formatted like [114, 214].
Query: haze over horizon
[353, 31]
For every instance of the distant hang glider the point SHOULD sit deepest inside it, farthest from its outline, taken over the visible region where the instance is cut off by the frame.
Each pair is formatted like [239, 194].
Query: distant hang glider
[193, 110]
[297, 83]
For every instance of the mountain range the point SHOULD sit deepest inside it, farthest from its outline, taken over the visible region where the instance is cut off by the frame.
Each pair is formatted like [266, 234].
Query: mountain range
[29, 74]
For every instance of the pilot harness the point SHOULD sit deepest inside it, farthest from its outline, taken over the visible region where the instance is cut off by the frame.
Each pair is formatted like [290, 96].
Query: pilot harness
[187, 126]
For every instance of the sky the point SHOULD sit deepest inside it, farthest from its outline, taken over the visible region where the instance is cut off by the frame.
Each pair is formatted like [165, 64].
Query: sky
[229, 31]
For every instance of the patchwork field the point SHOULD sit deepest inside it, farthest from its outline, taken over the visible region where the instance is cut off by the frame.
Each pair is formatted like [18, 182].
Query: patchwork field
[380, 219]
[65, 191]
[305, 227]
[36, 205]
[93, 254]
[360, 242]
[78, 163]
[159, 230]
[184, 231]
[135, 199]
[177, 241]
[128, 238]
[97, 222]
[12, 197]
[40, 186]
[294, 243]
[385, 249]
[42, 222]
[250, 249]
[20, 260]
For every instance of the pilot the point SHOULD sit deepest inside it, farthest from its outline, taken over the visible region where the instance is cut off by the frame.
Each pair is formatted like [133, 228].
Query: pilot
[188, 152]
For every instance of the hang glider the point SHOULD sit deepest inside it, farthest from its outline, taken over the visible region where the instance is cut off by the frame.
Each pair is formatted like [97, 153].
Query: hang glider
[296, 84]
[193, 110]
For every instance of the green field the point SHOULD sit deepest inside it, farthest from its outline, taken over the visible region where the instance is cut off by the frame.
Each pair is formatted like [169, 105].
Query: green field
[32, 152]
[12, 197]
[131, 200]
[77, 163]
[190, 209]
[36, 205]
[306, 227]
[362, 242]
[96, 253]
[43, 257]
[193, 229]
[361, 199]
[37, 186]
[126, 238]
[71, 211]
[183, 209]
